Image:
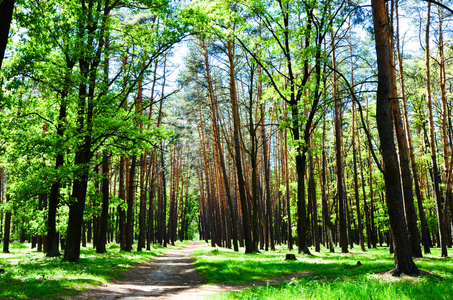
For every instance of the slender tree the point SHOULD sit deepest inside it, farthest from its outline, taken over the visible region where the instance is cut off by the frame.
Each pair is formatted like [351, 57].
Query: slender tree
[432, 144]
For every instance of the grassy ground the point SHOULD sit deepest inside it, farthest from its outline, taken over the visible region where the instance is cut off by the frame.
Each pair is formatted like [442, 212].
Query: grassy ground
[335, 275]
[29, 274]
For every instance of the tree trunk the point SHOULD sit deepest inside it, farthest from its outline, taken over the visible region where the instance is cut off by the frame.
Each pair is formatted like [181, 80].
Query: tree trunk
[339, 161]
[406, 178]
[267, 180]
[445, 115]
[403, 253]
[324, 197]
[121, 211]
[354, 160]
[130, 206]
[6, 14]
[432, 144]
[287, 191]
[420, 200]
[52, 235]
[7, 229]
[152, 193]
[142, 211]
[218, 148]
[77, 206]
[103, 222]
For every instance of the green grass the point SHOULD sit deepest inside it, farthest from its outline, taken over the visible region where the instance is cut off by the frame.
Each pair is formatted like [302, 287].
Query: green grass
[29, 274]
[334, 275]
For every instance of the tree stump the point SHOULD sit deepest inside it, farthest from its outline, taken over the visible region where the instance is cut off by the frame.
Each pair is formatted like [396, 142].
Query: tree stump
[290, 257]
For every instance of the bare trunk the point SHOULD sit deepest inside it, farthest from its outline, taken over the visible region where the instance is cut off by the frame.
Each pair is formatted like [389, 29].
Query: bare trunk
[103, 226]
[418, 194]
[403, 255]
[7, 229]
[435, 169]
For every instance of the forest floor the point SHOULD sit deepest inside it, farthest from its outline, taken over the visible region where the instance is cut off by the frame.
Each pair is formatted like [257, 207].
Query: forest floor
[170, 276]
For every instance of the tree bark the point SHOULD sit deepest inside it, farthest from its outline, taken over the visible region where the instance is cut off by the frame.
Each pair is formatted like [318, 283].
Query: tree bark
[406, 178]
[418, 194]
[339, 156]
[120, 209]
[7, 228]
[402, 250]
[130, 206]
[432, 145]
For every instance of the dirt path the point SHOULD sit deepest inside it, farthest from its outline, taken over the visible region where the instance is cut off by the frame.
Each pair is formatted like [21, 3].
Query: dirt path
[170, 276]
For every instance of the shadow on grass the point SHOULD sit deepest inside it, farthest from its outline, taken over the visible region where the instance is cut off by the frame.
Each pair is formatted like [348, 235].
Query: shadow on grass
[232, 271]
[333, 276]
[42, 288]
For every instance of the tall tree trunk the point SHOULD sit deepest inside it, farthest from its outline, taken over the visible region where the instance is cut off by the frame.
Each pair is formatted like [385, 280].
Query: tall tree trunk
[324, 197]
[403, 253]
[218, 149]
[432, 143]
[418, 194]
[142, 209]
[445, 115]
[121, 211]
[406, 178]
[237, 149]
[354, 156]
[130, 206]
[7, 228]
[77, 206]
[287, 190]
[339, 161]
[312, 200]
[143, 169]
[152, 193]
[52, 235]
[267, 180]
[365, 204]
[103, 222]
[81, 161]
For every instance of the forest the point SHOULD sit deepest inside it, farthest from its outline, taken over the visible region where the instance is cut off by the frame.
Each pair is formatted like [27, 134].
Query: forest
[318, 126]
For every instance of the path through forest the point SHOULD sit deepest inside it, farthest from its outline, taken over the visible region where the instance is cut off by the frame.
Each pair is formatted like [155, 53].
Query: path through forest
[170, 276]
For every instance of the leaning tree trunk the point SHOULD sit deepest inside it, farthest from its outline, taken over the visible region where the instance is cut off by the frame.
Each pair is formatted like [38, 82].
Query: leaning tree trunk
[402, 249]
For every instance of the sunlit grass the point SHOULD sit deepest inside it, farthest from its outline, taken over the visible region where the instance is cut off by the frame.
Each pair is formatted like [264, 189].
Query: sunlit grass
[332, 275]
[29, 274]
